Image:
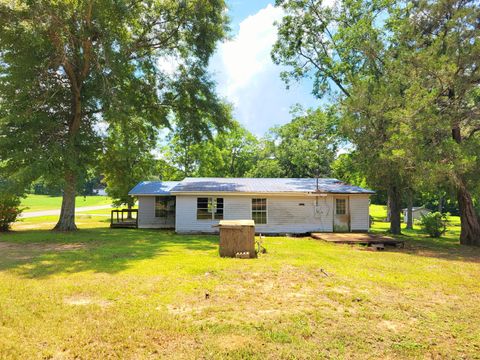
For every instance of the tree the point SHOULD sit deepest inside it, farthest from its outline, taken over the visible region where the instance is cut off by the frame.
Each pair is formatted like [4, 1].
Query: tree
[229, 153]
[10, 201]
[68, 67]
[127, 159]
[344, 48]
[440, 57]
[307, 146]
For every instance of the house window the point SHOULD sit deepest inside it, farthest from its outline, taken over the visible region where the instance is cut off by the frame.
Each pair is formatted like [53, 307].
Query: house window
[209, 208]
[340, 206]
[259, 211]
[164, 206]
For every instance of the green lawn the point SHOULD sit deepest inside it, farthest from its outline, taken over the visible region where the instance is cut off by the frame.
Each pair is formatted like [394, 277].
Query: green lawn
[102, 293]
[45, 202]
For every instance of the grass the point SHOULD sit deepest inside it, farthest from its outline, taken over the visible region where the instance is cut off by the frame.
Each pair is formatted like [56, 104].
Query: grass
[44, 202]
[122, 293]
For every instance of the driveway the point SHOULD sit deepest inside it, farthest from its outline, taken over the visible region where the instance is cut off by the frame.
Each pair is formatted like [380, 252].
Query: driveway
[57, 211]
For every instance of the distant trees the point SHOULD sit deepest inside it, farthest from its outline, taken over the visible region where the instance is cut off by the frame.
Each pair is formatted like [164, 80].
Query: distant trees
[305, 147]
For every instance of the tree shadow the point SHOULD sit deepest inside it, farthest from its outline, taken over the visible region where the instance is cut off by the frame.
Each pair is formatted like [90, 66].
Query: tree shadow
[446, 247]
[40, 253]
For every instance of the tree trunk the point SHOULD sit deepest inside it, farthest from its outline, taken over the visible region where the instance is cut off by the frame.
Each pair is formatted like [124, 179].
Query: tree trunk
[440, 204]
[129, 216]
[470, 222]
[388, 208]
[66, 222]
[410, 211]
[395, 208]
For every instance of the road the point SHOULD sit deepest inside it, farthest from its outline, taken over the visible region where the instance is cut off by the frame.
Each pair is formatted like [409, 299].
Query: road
[57, 211]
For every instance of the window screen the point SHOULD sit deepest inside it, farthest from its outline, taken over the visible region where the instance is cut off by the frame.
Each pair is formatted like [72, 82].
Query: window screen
[259, 211]
[340, 206]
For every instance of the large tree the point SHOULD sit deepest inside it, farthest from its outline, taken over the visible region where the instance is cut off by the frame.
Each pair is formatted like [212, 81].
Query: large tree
[67, 68]
[344, 47]
[307, 146]
[440, 62]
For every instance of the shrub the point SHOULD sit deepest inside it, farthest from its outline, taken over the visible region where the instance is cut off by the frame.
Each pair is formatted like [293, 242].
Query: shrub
[434, 224]
[9, 210]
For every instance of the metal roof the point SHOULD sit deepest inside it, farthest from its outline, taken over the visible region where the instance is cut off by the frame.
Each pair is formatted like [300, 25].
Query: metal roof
[153, 188]
[266, 185]
[246, 185]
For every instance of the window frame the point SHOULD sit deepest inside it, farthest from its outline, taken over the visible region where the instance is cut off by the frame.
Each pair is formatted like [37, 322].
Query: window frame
[344, 200]
[211, 208]
[259, 211]
[166, 199]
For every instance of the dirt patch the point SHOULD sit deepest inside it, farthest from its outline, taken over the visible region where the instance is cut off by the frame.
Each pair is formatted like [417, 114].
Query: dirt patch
[4, 246]
[80, 300]
[389, 325]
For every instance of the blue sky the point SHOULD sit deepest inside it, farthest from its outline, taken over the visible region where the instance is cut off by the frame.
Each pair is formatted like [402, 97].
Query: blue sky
[245, 73]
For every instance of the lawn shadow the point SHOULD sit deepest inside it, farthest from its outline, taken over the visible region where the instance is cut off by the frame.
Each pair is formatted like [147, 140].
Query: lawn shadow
[446, 247]
[42, 253]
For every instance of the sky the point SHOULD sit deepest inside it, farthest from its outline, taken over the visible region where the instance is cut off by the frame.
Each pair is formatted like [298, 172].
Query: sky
[245, 73]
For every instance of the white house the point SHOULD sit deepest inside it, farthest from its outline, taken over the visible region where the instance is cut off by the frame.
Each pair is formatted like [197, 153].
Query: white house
[277, 205]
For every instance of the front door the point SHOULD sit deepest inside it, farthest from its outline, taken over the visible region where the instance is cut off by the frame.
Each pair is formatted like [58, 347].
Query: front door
[341, 216]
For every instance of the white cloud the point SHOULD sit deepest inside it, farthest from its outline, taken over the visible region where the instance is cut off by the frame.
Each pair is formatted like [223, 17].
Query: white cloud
[248, 78]
[248, 54]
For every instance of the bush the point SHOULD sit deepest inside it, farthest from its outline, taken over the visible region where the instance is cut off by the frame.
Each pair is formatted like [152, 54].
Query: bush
[434, 224]
[9, 210]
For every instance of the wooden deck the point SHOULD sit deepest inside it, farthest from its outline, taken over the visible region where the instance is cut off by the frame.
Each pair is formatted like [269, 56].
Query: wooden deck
[124, 218]
[357, 238]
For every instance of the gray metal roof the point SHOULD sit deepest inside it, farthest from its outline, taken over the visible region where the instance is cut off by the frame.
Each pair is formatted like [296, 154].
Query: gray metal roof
[266, 185]
[246, 185]
[153, 188]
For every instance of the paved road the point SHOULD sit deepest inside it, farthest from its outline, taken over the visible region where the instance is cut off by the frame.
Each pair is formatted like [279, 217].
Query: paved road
[57, 211]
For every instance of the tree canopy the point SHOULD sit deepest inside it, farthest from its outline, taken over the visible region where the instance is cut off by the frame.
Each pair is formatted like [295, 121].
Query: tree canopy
[69, 69]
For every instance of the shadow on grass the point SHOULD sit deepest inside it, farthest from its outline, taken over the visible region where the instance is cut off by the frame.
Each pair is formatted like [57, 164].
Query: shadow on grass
[446, 247]
[41, 253]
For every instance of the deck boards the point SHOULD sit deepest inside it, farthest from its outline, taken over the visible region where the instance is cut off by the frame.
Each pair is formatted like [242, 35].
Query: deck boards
[356, 238]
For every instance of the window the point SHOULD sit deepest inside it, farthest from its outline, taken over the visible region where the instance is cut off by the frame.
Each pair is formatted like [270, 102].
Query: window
[259, 211]
[164, 206]
[209, 208]
[340, 206]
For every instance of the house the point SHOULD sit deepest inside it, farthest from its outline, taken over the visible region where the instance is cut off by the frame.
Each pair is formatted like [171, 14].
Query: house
[276, 205]
[417, 213]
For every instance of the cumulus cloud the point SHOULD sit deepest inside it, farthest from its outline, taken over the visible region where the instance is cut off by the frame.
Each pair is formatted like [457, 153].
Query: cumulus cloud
[248, 78]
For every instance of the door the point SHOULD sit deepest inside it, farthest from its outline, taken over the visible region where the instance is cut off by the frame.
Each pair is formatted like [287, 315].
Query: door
[341, 215]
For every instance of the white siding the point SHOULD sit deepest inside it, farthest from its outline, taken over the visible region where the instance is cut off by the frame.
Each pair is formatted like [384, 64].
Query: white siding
[146, 214]
[285, 214]
[359, 213]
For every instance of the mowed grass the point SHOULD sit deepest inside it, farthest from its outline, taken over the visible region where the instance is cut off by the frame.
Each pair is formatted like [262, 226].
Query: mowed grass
[122, 293]
[44, 202]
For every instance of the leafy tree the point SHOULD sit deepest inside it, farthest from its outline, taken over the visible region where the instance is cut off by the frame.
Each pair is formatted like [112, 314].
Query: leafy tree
[345, 168]
[67, 67]
[127, 158]
[10, 200]
[440, 58]
[307, 146]
[344, 48]
[229, 153]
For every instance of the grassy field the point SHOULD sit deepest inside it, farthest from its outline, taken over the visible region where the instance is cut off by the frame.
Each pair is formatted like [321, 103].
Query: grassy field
[45, 202]
[102, 293]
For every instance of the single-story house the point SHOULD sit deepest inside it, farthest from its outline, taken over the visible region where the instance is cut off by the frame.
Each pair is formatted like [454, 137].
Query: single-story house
[417, 213]
[276, 205]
